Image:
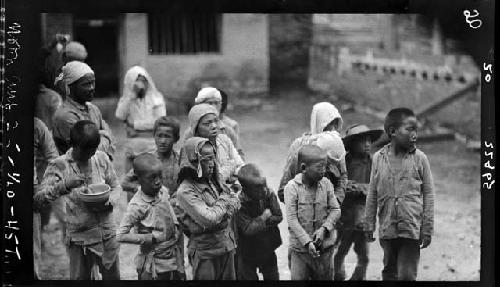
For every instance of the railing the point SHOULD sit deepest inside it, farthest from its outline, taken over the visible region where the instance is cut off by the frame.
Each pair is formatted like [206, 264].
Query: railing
[339, 60]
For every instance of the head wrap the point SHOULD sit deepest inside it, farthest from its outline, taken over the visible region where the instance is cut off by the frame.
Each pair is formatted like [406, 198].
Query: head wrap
[331, 143]
[131, 77]
[207, 93]
[190, 154]
[152, 96]
[74, 70]
[75, 51]
[322, 114]
[197, 112]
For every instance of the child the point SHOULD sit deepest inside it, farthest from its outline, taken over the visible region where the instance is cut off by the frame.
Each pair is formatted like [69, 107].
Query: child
[206, 208]
[257, 223]
[90, 228]
[401, 186]
[160, 256]
[357, 141]
[312, 211]
[325, 119]
[166, 134]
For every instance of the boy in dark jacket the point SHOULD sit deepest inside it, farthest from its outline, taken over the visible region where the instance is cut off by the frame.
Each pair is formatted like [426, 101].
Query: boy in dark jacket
[358, 141]
[257, 223]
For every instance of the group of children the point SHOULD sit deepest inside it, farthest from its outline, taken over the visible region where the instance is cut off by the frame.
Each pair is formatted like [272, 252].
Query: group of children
[332, 189]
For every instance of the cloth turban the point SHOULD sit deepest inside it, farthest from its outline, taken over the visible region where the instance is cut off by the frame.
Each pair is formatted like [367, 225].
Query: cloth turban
[74, 70]
[207, 94]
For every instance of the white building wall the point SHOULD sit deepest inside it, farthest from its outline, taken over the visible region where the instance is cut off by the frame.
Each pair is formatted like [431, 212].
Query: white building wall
[241, 67]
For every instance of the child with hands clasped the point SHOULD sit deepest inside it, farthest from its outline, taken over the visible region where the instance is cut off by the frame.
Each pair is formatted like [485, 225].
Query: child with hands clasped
[312, 211]
[401, 187]
[257, 223]
[206, 208]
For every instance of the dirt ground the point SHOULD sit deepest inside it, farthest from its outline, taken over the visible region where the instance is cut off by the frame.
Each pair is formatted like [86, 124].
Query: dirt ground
[266, 134]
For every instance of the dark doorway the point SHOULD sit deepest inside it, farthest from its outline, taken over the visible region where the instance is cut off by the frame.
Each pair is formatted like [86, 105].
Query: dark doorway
[99, 35]
[290, 38]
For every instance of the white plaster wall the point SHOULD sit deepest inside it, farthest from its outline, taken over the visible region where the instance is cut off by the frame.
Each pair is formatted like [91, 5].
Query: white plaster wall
[243, 61]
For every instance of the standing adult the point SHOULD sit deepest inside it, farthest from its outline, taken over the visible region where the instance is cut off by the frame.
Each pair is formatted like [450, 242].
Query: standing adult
[204, 122]
[140, 105]
[44, 152]
[213, 97]
[80, 82]
[72, 51]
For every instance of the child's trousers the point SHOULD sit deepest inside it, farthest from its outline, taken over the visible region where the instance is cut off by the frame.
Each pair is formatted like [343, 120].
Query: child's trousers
[401, 257]
[172, 275]
[268, 268]
[305, 267]
[349, 237]
[81, 264]
[216, 268]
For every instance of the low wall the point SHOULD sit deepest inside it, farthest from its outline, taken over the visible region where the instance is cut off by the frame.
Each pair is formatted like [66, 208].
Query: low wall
[383, 84]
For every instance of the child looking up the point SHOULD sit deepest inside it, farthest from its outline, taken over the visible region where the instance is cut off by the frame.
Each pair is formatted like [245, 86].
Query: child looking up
[161, 255]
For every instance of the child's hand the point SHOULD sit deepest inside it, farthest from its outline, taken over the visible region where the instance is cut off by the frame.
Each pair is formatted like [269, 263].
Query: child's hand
[369, 236]
[266, 214]
[236, 188]
[425, 241]
[73, 181]
[100, 207]
[312, 250]
[149, 240]
[319, 235]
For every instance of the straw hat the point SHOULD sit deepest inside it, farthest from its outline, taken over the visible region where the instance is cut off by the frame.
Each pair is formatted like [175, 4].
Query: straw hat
[357, 130]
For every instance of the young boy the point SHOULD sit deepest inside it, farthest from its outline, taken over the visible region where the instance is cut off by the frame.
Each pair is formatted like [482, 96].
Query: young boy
[357, 141]
[90, 228]
[161, 255]
[312, 211]
[257, 223]
[325, 124]
[166, 134]
[401, 186]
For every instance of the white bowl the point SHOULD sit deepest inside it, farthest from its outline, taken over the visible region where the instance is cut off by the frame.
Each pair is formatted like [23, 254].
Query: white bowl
[98, 192]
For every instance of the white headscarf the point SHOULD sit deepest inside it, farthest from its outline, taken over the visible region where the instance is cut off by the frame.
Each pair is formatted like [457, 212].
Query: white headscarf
[131, 77]
[207, 94]
[331, 143]
[74, 70]
[322, 114]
